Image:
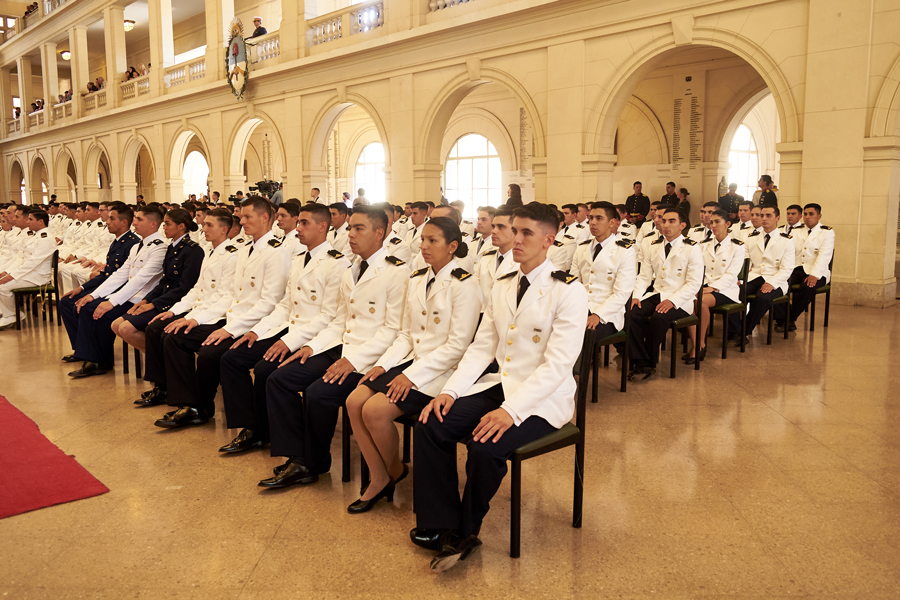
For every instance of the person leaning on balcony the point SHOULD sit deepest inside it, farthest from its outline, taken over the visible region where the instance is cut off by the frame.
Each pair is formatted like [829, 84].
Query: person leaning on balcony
[260, 30]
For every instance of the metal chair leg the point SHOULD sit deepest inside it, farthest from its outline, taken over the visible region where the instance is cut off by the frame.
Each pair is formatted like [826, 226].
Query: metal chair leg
[595, 372]
[812, 314]
[125, 357]
[345, 445]
[787, 318]
[407, 442]
[771, 325]
[674, 347]
[18, 300]
[827, 306]
[137, 363]
[724, 335]
[578, 500]
[606, 355]
[515, 525]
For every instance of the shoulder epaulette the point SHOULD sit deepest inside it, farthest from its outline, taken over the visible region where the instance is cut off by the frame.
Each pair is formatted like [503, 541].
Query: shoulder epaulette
[558, 243]
[738, 242]
[43, 234]
[690, 242]
[507, 275]
[490, 252]
[78, 222]
[465, 234]
[155, 242]
[189, 242]
[394, 260]
[568, 237]
[89, 223]
[240, 240]
[585, 242]
[396, 240]
[787, 235]
[335, 254]
[744, 226]
[625, 243]
[460, 274]
[419, 272]
[706, 240]
[825, 227]
[579, 226]
[275, 243]
[30, 233]
[753, 234]
[563, 276]
[623, 233]
[230, 248]
[101, 225]
[698, 228]
[404, 219]
[467, 222]
[330, 229]
[657, 240]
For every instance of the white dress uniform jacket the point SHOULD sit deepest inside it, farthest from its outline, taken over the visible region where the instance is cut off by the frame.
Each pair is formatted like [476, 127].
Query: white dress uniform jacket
[488, 272]
[396, 247]
[816, 251]
[773, 262]
[291, 243]
[700, 233]
[644, 246]
[677, 278]
[214, 283]
[370, 311]
[647, 228]
[138, 275]
[33, 262]
[723, 266]
[260, 277]
[478, 246]
[740, 231]
[627, 230]
[437, 327]
[414, 237]
[311, 300]
[401, 227]
[468, 229]
[561, 254]
[609, 278]
[340, 238]
[535, 345]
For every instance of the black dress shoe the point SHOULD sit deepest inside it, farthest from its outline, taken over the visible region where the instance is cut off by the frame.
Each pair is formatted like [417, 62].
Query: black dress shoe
[184, 416]
[792, 326]
[87, 369]
[430, 539]
[779, 326]
[453, 552]
[689, 360]
[361, 506]
[245, 440]
[292, 472]
[154, 397]
[737, 344]
[68, 358]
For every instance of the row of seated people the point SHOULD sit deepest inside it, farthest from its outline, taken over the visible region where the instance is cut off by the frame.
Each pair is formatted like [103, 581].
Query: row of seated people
[377, 336]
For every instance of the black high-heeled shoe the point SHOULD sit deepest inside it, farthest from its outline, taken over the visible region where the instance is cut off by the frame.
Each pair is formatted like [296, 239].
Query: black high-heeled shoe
[361, 506]
[702, 353]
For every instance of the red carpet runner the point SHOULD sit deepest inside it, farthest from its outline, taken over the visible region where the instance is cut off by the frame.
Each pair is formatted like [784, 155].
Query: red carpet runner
[34, 473]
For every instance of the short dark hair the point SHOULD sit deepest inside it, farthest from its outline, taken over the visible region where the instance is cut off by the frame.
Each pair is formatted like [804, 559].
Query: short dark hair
[541, 213]
[637, 183]
[712, 203]
[222, 216]
[797, 207]
[623, 209]
[151, 212]
[260, 205]
[92, 205]
[317, 189]
[504, 211]
[570, 207]
[654, 203]
[490, 210]
[672, 183]
[181, 216]
[376, 216]
[607, 207]
[430, 204]
[451, 233]
[41, 215]
[454, 214]
[340, 207]
[419, 206]
[123, 212]
[320, 213]
[814, 206]
[290, 208]
[580, 204]
[767, 179]
[745, 203]
[775, 208]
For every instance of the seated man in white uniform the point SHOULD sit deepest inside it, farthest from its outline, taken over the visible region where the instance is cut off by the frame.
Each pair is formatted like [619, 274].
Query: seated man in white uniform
[32, 266]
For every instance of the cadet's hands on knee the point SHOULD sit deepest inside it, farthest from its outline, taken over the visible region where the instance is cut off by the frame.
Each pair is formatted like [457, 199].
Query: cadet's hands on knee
[373, 374]
[399, 388]
[165, 316]
[635, 303]
[277, 352]
[593, 321]
[248, 338]
[766, 288]
[662, 308]
[217, 336]
[339, 371]
[73, 293]
[811, 281]
[495, 423]
[102, 308]
[302, 354]
[440, 406]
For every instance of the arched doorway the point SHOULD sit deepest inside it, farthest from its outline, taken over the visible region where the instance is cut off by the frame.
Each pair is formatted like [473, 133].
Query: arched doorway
[256, 156]
[473, 174]
[98, 175]
[17, 193]
[185, 143]
[39, 182]
[66, 179]
[196, 175]
[138, 172]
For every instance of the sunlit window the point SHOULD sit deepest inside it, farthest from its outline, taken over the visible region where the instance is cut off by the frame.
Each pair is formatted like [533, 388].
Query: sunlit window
[369, 173]
[473, 174]
[744, 161]
[196, 174]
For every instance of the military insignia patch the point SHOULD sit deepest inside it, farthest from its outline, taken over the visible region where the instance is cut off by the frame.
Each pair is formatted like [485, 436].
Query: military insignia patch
[460, 274]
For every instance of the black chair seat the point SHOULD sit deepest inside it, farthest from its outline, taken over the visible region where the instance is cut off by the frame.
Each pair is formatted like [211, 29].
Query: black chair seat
[48, 290]
[567, 435]
[615, 338]
[35, 289]
[727, 309]
[684, 322]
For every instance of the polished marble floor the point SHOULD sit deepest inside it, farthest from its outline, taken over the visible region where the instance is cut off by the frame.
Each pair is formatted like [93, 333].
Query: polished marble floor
[772, 474]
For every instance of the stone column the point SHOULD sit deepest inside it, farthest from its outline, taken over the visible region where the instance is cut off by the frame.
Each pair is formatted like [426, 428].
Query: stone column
[162, 45]
[78, 63]
[50, 77]
[295, 35]
[26, 95]
[116, 58]
[6, 105]
[409, 181]
[219, 14]
[292, 134]
[790, 160]
[565, 114]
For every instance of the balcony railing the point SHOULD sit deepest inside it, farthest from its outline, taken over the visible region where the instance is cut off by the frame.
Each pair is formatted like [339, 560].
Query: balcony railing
[13, 126]
[185, 72]
[139, 86]
[266, 47]
[32, 18]
[51, 5]
[94, 101]
[36, 118]
[436, 5]
[358, 18]
[62, 111]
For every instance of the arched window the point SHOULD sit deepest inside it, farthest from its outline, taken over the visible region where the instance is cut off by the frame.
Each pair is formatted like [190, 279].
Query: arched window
[196, 174]
[473, 174]
[744, 160]
[369, 173]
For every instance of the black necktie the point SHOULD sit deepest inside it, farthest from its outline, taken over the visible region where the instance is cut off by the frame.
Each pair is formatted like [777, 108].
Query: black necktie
[141, 245]
[210, 252]
[251, 251]
[597, 250]
[766, 243]
[306, 259]
[499, 261]
[716, 249]
[708, 233]
[523, 287]
[668, 249]
[428, 287]
[362, 269]
[480, 244]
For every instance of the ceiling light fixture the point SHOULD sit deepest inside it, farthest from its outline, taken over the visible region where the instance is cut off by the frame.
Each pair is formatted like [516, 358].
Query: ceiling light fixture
[66, 55]
[129, 25]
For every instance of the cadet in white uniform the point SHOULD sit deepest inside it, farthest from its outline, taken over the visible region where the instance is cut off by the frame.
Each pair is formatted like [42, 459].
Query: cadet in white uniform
[417, 221]
[328, 367]
[499, 260]
[481, 241]
[743, 227]
[535, 320]
[309, 304]
[340, 228]
[702, 232]
[772, 258]
[674, 265]
[466, 263]
[439, 321]
[260, 277]
[286, 218]
[606, 267]
[32, 268]
[214, 283]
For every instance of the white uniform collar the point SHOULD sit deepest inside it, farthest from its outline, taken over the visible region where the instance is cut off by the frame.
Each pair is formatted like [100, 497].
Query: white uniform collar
[323, 247]
[535, 273]
[153, 236]
[610, 240]
[264, 239]
[176, 241]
